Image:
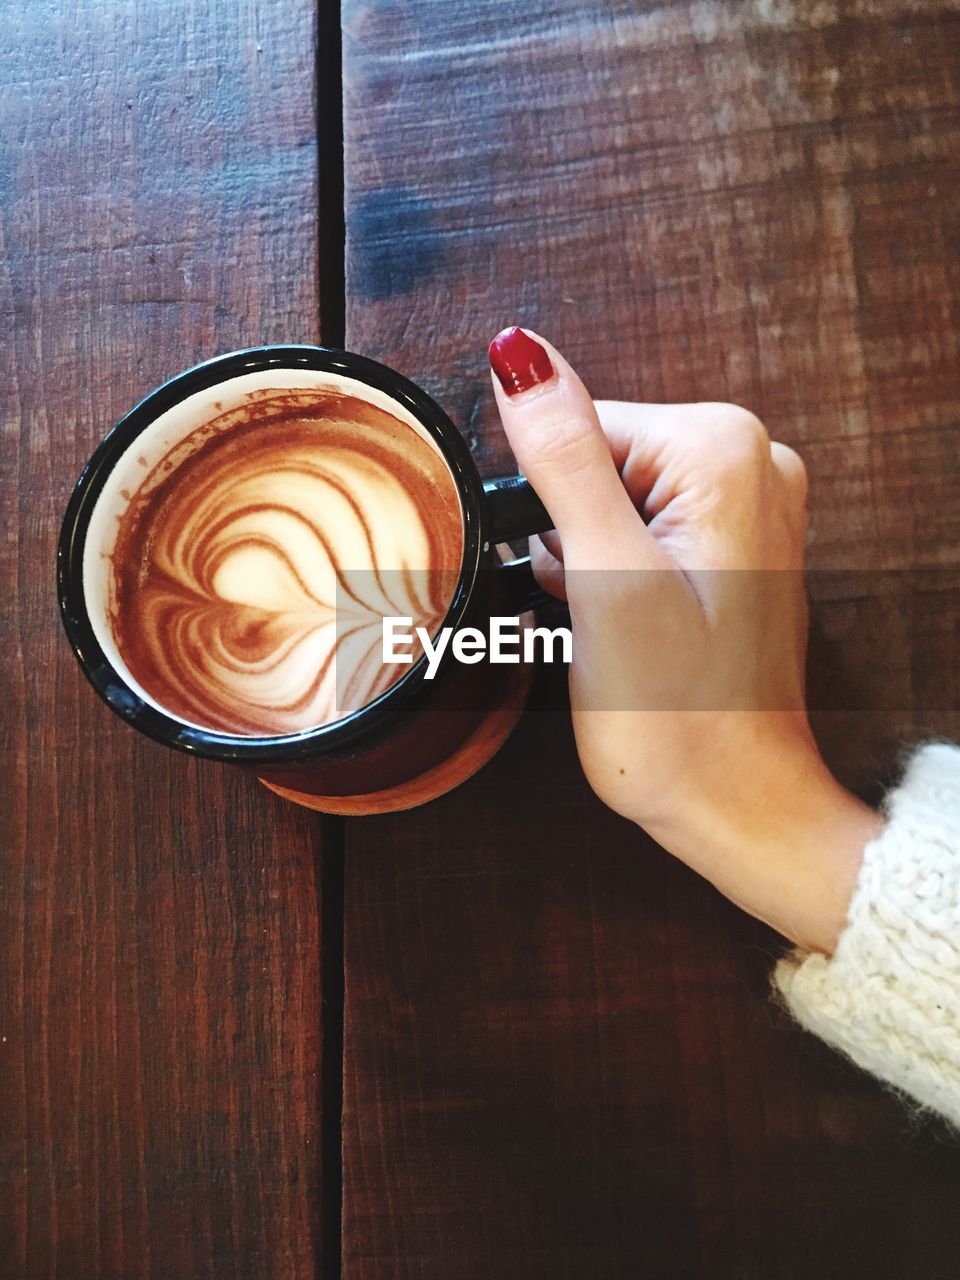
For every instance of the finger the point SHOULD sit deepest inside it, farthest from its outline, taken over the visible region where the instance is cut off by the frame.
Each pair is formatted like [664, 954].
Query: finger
[551, 540]
[643, 438]
[547, 569]
[694, 450]
[621, 420]
[553, 429]
[791, 477]
[792, 469]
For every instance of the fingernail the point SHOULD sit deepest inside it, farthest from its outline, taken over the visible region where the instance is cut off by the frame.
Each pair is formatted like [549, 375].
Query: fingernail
[518, 361]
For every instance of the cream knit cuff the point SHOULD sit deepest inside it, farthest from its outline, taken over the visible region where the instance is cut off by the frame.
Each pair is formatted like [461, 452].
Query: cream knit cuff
[890, 996]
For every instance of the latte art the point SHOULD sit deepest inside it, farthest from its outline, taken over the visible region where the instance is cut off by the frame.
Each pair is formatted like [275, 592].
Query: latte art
[256, 562]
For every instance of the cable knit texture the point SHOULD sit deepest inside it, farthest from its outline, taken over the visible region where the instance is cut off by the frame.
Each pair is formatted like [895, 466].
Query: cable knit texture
[890, 996]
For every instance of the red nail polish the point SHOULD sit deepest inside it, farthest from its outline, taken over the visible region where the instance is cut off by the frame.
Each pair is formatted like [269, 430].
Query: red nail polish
[518, 361]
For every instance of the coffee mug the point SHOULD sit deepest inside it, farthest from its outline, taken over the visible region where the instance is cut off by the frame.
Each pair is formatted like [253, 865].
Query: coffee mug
[418, 738]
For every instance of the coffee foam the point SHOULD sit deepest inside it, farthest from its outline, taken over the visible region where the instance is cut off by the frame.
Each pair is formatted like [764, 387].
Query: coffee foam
[303, 602]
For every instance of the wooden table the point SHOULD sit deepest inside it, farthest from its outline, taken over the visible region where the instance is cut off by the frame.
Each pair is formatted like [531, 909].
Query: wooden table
[559, 1056]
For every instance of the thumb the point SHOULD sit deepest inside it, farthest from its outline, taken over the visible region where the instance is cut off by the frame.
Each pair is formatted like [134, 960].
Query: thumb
[553, 430]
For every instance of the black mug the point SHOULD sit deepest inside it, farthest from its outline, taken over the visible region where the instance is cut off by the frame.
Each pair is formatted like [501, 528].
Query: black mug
[416, 739]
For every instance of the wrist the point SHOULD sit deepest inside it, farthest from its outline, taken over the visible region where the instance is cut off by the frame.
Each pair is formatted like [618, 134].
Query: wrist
[805, 864]
[786, 845]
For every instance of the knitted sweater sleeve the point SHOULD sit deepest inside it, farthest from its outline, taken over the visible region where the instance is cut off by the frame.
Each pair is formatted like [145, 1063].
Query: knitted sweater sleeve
[889, 998]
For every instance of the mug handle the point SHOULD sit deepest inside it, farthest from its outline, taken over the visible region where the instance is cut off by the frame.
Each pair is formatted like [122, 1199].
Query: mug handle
[515, 511]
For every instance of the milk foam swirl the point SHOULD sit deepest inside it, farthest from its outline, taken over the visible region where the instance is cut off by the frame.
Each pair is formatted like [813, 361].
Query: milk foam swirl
[255, 564]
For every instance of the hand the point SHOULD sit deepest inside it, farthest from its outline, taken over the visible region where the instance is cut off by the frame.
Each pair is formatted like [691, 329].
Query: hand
[679, 547]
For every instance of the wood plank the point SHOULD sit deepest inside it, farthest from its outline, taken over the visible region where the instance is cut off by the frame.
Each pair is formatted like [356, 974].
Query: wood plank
[560, 1055]
[159, 1047]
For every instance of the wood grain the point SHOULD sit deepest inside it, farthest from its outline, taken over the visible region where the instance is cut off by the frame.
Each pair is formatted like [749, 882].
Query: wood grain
[159, 1035]
[561, 1059]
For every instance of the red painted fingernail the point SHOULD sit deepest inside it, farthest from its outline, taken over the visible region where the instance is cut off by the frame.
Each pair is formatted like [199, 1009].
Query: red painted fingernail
[518, 361]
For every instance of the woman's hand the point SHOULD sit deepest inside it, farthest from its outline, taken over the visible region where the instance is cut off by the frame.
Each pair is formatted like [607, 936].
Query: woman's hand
[679, 546]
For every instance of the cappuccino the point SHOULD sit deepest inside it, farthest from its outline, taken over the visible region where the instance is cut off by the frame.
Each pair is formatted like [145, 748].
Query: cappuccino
[254, 564]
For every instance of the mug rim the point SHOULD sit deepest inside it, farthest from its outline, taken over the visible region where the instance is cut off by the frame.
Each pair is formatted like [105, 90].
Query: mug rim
[262, 749]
